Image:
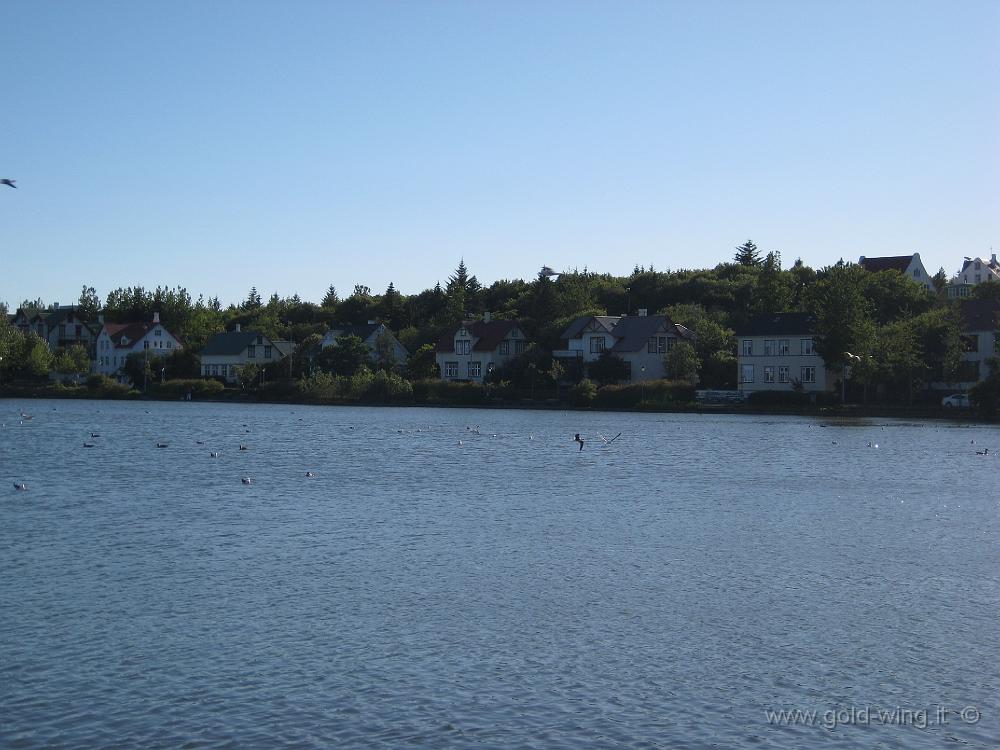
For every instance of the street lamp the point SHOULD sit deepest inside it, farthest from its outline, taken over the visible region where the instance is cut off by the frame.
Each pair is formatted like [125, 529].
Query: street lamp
[642, 382]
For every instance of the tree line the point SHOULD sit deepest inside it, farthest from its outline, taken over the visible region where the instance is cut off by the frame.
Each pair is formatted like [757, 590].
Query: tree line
[900, 335]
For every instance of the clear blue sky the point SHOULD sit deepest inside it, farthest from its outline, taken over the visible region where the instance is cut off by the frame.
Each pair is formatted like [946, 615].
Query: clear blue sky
[288, 146]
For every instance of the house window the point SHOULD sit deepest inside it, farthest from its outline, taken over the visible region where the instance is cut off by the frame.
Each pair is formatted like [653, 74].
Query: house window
[157, 332]
[657, 345]
[916, 273]
[746, 374]
[170, 344]
[783, 348]
[783, 374]
[748, 348]
[145, 344]
[267, 352]
[596, 344]
[224, 370]
[463, 347]
[808, 375]
[204, 370]
[807, 347]
[504, 348]
[769, 348]
[519, 347]
[62, 330]
[475, 369]
[979, 277]
[451, 369]
[769, 374]
[78, 330]
[251, 351]
[260, 340]
[651, 345]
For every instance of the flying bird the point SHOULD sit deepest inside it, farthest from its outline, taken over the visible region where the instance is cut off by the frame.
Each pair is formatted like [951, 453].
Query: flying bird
[9, 183]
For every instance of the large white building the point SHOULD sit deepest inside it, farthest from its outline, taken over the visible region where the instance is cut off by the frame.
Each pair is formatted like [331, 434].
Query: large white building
[118, 340]
[974, 271]
[777, 353]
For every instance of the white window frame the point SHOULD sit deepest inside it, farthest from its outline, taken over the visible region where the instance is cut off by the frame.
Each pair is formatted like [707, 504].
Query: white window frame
[783, 374]
[451, 369]
[744, 369]
[475, 369]
[807, 348]
[807, 374]
[748, 348]
[769, 374]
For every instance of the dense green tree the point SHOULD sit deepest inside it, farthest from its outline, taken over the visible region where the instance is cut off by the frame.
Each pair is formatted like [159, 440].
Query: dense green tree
[330, 299]
[681, 363]
[422, 363]
[89, 304]
[143, 368]
[607, 369]
[391, 308]
[988, 290]
[843, 316]
[34, 360]
[73, 360]
[345, 357]
[747, 254]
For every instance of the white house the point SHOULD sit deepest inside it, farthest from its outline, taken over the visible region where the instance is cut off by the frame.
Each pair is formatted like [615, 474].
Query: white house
[776, 353]
[979, 336]
[974, 271]
[225, 353]
[909, 265]
[117, 340]
[641, 341]
[380, 341]
[476, 348]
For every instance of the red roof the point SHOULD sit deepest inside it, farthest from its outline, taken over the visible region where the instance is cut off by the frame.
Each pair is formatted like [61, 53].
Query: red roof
[131, 331]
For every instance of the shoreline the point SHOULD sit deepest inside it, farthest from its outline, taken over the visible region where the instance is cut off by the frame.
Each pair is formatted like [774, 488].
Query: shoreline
[850, 411]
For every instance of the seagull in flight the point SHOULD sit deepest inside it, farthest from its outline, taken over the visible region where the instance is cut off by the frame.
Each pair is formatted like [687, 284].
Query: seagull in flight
[8, 183]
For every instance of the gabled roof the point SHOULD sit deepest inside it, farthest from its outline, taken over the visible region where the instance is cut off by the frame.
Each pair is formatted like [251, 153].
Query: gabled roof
[890, 263]
[577, 327]
[232, 342]
[131, 331]
[979, 315]
[61, 315]
[632, 332]
[486, 336]
[778, 324]
[361, 331]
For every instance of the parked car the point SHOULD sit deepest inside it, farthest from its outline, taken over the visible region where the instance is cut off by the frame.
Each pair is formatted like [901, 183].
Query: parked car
[956, 401]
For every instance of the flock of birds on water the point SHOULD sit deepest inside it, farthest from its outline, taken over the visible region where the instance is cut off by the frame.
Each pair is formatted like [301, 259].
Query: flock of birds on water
[470, 429]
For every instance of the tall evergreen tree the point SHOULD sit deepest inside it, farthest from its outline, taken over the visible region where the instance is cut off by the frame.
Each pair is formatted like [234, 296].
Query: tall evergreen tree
[330, 299]
[747, 254]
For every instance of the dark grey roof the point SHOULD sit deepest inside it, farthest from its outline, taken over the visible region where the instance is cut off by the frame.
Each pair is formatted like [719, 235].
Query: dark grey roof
[361, 331]
[231, 342]
[889, 263]
[632, 332]
[576, 327]
[776, 324]
[979, 315]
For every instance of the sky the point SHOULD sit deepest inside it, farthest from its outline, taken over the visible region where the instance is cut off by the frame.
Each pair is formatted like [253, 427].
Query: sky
[220, 146]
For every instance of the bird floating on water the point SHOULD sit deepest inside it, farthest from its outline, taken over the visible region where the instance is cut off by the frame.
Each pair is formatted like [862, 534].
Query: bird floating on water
[247, 480]
[20, 486]
[8, 183]
[310, 474]
[243, 447]
[213, 454]
[161, 445]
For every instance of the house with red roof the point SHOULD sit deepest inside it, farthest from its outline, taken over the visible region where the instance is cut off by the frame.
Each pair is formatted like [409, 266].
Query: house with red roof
[117, 340]
[476, 348]
[909, 265]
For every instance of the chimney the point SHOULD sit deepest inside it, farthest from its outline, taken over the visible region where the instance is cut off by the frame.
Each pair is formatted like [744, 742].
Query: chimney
[371, 322]
[642, 312]
[237, 328]
[487, 317]
[993, 259]
[156, 317]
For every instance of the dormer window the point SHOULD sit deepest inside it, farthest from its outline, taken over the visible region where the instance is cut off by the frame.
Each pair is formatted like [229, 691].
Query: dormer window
[260, 340]
[157, 332]
[463, 346]
[124, 341]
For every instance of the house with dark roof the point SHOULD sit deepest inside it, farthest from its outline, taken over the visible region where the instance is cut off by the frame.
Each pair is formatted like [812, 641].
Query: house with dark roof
[59, 325]
[476, 348]
[381, 342]
[979, 319]
[909, 265]
[225, 353]
[118, 340]
[777, 353]
[642, 341]
[974, 271]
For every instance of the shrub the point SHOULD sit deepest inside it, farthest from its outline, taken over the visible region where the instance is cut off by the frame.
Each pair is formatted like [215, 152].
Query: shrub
[197, 387]
[583, 393]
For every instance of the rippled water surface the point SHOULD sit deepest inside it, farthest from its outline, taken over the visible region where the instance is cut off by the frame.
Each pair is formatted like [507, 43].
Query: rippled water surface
[431, 587]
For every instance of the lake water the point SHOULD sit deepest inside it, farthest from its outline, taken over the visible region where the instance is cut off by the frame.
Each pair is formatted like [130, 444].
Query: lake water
[431, 587]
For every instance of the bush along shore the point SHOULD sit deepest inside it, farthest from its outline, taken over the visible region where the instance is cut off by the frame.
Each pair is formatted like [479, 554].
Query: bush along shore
[383, 388]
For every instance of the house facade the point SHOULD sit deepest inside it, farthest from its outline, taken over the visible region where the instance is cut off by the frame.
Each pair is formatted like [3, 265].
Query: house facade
[381, 342]
[979, 337]
[118, 340]
[59, 326]
[974, 271]
[225, 353]
[909, 265]
[777, 353]
[642, 341]
[476, 348]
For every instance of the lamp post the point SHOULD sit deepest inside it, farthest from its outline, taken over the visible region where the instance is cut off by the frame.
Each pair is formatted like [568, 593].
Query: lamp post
[642, 381]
